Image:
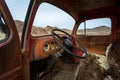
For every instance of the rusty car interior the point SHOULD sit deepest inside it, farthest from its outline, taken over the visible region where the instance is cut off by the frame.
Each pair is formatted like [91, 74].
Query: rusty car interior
[61, 55]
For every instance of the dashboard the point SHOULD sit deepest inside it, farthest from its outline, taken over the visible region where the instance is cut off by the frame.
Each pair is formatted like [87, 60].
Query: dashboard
[45, 47]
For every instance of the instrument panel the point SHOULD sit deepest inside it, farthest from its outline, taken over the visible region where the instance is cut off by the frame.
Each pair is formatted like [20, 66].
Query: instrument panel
[45, 47]
[50, 46]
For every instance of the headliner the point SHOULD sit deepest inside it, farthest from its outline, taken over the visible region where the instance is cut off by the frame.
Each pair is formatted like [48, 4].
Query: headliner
[76, 7]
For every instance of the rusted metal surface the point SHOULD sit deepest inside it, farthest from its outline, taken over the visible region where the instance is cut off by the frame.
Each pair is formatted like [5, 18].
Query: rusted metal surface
[40, 53]
[10, 52]
[36, 47]
[96, 44]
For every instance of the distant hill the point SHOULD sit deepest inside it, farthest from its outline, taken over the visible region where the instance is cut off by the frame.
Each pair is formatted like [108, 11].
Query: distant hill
[100, 30]
[19, 25]
[49, 29]
[37, 31]
[104, 28]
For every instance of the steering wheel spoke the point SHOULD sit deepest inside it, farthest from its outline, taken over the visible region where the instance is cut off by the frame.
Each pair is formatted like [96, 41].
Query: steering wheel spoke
[58, 36]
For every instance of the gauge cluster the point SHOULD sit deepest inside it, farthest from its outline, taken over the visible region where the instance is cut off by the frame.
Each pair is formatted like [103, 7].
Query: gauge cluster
[51, 46]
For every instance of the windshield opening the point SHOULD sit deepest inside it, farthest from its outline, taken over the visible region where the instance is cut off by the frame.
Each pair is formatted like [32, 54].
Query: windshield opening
[49, 17]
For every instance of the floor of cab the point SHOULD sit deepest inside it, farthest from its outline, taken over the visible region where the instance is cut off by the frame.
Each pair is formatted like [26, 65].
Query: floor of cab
[66, 70]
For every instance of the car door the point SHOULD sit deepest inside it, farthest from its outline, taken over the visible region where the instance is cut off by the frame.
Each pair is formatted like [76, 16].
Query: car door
[10, 51]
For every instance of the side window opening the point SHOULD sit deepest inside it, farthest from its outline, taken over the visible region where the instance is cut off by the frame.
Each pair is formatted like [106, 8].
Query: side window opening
[4, 31]
[95, 27]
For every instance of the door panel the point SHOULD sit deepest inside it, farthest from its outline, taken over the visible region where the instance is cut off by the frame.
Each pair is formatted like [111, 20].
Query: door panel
[10, 51]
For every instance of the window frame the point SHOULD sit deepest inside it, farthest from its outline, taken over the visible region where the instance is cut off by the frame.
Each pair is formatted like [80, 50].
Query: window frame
[110, 16]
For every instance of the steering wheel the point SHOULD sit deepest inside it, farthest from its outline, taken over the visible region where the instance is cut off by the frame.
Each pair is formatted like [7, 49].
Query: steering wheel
[68, 43]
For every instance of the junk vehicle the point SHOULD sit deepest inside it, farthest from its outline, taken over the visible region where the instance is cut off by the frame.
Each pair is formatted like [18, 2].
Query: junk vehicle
[54, 53]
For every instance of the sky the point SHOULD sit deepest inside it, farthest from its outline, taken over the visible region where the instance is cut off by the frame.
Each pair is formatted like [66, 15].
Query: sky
[47, 15]
[18, 8]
